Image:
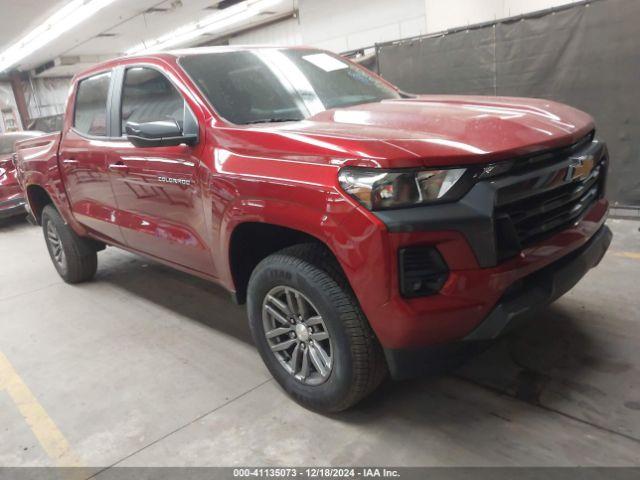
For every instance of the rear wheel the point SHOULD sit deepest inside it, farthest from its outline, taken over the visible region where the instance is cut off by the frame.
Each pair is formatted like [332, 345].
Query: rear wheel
[310, 330]
[74, 257]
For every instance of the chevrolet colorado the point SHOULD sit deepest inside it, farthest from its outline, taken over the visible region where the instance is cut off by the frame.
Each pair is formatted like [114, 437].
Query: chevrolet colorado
[369, 231]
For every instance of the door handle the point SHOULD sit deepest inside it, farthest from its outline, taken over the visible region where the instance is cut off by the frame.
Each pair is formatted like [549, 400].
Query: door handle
[70, 161]
[118, 167]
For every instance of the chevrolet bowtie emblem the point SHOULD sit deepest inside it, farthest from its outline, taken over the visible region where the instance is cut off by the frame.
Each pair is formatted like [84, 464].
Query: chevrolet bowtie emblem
[579, 168]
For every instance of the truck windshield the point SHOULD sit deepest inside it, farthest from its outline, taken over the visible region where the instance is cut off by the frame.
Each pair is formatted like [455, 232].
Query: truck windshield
[278, 85]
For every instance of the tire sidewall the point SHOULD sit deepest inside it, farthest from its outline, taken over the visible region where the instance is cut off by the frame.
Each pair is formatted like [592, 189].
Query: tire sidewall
[80, 258]
[53, 217]
[272, 273]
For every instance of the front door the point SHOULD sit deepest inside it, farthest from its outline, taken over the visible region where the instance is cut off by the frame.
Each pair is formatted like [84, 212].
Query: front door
[157, 190]
[83, 159]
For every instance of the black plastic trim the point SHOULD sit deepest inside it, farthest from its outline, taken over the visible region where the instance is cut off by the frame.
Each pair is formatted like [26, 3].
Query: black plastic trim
[517, 305]
[12, 207]
[116, 102]
[431, 278]
[472, 216]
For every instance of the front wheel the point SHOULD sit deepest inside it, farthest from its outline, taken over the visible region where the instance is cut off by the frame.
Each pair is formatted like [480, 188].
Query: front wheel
[73, 257]
[310, 330]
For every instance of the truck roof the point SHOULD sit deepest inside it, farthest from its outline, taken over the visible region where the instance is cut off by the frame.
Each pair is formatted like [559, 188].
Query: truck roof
[233, 48]
[173, 54]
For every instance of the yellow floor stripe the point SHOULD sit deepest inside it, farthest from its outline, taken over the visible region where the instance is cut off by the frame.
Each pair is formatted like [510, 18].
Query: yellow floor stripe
[50, 437]
[633, 255]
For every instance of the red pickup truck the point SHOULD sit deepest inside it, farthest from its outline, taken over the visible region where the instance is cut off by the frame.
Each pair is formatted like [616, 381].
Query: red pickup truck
[368, 230]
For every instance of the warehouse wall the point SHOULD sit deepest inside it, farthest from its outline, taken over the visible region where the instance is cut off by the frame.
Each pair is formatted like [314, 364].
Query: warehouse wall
[344, 25]
[341, 25]
[9, 116]
[448, 14]
[285, 32]
[46, 96]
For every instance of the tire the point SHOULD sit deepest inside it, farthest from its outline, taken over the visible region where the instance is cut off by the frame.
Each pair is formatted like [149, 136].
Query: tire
[74, 257]
[357, 365]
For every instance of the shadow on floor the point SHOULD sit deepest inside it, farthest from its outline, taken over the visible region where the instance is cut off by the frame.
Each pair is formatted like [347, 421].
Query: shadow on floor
[558, 361]
[13, 223]
[186, 295]
[551, 346]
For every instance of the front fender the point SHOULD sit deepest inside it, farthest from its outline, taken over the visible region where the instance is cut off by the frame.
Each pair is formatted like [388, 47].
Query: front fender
[304, 218]
[358, 243]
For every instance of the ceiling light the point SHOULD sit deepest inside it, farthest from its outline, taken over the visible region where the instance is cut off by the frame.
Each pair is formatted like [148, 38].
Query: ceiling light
[212, 23]
[63, 20]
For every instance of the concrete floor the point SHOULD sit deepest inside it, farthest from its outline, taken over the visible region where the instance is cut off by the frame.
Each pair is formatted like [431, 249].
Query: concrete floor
[146, 366]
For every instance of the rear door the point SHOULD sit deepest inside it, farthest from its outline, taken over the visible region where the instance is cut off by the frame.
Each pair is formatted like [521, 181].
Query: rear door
[158, 193]
[83, 157]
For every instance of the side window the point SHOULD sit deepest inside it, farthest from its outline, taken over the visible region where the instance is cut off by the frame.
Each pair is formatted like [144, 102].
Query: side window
[148, 96]
[91, 105]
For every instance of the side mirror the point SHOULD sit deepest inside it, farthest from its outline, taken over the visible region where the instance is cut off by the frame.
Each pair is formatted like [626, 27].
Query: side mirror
[161, 133]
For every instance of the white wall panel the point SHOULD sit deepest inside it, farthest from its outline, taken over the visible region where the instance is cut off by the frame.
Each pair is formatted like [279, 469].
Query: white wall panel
[351, 24]
[342, 25]
[46, 96]
[338, 44]
[9, 116]
[285, 32]
[413, 27]
[365, 38]
[326, 19]
[518, 7]
[449, 14]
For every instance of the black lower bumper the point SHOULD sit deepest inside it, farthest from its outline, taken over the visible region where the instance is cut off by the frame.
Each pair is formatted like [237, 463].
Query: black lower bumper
[12, 208]
[519, 302]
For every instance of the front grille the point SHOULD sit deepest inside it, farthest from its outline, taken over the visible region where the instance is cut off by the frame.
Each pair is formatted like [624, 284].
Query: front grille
[545, 202]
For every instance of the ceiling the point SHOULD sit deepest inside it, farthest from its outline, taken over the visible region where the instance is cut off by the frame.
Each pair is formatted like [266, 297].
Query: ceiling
[23, 19]
[121, 25]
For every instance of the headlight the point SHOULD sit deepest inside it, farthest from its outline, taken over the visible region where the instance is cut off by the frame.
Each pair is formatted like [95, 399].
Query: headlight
[379, 189]
[2, 172]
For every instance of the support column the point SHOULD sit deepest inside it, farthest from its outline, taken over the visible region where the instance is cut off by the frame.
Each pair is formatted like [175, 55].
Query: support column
[18, 94]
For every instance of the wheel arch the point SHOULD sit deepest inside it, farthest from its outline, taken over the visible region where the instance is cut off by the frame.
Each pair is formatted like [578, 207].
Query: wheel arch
[38, 198]
[251, 242]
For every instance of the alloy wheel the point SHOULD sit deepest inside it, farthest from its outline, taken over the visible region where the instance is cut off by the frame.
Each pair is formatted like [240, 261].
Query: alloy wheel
[297, 335]
[57, 252]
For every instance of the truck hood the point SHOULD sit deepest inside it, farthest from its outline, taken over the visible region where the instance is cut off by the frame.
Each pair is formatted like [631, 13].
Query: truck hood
[434, 130]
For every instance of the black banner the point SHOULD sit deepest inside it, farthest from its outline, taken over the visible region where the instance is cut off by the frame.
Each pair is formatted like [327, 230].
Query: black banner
[322, 473]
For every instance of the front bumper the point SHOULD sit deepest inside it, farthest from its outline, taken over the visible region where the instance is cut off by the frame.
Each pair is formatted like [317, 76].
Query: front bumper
[541, 288]
[487, 241]
[519, 302]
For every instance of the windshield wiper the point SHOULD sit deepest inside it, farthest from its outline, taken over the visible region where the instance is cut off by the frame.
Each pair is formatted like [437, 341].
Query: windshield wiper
[273, 120]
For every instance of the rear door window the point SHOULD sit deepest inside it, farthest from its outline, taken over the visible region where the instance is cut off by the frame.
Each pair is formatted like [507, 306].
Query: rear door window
[91, 105]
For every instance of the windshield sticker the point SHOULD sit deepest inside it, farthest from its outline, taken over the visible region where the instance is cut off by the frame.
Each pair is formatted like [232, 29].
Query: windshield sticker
[325, 62]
